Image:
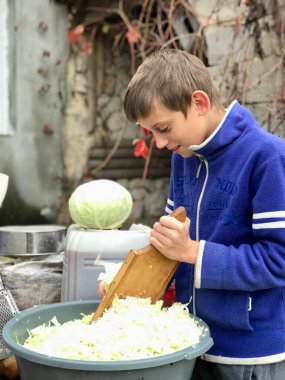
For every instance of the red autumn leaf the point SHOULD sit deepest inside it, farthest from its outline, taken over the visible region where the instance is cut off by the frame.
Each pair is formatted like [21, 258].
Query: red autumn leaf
[141, 149]
[133, 35]
[74, 34]
[146, 132]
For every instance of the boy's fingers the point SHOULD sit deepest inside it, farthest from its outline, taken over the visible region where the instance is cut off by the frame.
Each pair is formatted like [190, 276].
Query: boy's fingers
[187, 223]
[160, 237]
[169, 221]
[167, 231]
[158, 244]
[158, 228]
[159, 231]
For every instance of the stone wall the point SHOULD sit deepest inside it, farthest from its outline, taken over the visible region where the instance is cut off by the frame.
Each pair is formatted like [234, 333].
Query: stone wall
[245, 51]
[239, 70]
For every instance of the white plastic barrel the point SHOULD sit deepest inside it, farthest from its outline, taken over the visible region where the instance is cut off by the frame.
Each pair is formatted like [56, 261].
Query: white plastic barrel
[83, 247]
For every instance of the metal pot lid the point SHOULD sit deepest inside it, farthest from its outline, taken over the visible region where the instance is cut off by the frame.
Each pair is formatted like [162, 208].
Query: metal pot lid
[32, 240]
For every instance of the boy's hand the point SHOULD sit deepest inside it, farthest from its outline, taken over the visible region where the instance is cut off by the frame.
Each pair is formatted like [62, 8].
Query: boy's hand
[101, 289]
[172, 238]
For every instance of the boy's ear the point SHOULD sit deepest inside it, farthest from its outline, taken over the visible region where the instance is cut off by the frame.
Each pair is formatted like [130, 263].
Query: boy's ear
[201, 102]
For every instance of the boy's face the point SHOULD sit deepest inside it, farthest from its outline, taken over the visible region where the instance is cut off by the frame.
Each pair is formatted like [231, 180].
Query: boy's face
[173, 131]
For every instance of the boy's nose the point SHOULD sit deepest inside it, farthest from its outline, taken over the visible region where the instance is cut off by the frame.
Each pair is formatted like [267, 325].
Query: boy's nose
[160, 142]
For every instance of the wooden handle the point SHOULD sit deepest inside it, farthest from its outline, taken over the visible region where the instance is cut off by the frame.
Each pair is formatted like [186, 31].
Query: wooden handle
[179, 213]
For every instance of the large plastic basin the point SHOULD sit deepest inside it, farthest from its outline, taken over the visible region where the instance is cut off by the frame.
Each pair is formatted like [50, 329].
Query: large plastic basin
[32, 365]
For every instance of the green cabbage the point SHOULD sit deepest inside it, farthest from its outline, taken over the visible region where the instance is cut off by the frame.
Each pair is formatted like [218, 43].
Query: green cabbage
[130, 329]
[100, 204]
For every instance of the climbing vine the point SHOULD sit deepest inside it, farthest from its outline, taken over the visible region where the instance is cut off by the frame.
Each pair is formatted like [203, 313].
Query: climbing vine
[139, 27]
[142, 26]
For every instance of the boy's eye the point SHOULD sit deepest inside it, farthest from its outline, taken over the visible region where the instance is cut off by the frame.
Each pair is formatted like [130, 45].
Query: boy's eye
[164, 130]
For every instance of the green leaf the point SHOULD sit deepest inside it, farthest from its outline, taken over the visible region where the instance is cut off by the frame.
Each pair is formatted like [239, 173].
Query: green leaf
[105, 28]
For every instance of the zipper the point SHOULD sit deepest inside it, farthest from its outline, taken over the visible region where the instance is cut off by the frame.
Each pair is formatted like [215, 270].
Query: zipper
[202, 160]
[199, 167]
[249, 303]
[205, 162]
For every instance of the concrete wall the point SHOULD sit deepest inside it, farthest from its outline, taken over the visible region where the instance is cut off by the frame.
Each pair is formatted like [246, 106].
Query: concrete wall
[32, 154]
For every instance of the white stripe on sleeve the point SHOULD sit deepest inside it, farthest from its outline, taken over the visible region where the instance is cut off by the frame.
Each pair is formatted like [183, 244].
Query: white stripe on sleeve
[258, 226]
[168, 210]
[272, 214]
[170, 202]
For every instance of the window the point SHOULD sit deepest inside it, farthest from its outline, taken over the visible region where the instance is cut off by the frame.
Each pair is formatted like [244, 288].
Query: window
[5, 127]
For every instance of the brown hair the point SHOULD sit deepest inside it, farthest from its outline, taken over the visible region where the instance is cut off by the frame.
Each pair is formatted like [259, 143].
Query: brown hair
[169, 76]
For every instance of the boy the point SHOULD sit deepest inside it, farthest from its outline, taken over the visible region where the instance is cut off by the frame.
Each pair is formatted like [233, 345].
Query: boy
[229, 174]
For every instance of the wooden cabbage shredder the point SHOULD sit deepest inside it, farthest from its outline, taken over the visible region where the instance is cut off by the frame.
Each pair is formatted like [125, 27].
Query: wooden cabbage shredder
[144, 273]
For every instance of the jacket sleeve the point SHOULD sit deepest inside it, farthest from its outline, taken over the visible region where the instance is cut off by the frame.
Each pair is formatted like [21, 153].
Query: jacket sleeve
[262, 264]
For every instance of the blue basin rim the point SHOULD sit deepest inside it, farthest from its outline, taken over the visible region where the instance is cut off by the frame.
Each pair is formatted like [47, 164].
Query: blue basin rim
[43, 313]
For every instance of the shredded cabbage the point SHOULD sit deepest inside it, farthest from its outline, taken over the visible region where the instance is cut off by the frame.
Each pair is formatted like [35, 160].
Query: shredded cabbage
[131, 328]
[111, 269]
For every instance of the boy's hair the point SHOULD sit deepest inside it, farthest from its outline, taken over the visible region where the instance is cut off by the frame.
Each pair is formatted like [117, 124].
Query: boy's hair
[169, 76]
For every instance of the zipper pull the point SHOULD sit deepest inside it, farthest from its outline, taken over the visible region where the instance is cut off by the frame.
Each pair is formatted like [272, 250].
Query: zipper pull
[200, 166]
[249, 303]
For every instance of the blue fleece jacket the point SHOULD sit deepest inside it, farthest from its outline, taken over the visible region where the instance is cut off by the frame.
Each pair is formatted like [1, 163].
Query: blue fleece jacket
[233, 189]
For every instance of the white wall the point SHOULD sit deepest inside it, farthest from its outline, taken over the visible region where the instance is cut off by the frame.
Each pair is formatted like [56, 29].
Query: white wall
[38, 52]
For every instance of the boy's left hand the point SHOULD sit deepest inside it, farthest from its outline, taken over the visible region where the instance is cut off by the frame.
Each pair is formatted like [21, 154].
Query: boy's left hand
[102, 289]
[172, 239]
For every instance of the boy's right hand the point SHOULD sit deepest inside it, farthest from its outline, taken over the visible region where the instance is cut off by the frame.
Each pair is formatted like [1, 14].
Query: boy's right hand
[171, 237]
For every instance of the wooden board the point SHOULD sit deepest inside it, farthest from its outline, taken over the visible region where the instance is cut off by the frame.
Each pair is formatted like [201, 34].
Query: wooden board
[145, 273]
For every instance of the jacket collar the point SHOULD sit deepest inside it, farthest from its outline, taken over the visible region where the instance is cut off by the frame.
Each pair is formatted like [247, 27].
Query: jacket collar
[234, 122]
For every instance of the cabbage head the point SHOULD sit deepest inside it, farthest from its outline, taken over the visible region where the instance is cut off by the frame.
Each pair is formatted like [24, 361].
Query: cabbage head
[100, 204]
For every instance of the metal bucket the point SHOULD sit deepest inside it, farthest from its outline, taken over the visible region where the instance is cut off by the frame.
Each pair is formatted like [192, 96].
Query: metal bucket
[32, 365]
[31, 240]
